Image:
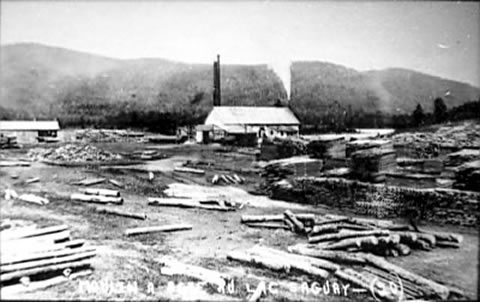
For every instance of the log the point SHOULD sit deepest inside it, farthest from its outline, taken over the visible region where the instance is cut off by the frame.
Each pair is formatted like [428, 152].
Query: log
[441, 243]
[303, 217]
[388, 241]
[116, 183]
[446, 236]
[276, 264]
[20, 251]
[237, 178]
[10, 292]
[14, 163]
[290, 225]
[96, 198]
[30, 232]
[421, 244]
[268, 226]
[434, 287]
[18, 258]
[407, 238]
[173, 267]
[366, 242]
[43, 269]
[357, 227]
[298, 226]
[33, 199]
[189, 170]
[102, 192]
[337, 256]
[44, 262]
[429, 238]
[225, 179]
[322, 229]
[32, 180]
[89, 181]
[231, 179]
[347, 234]
[257, 294]
[44, 239]
[155, 229]
[402, 249]
[215, 179]
[352, 279]
[185, 203]
[121, 213]
[331, 221]
[412, 287]
[281, 255]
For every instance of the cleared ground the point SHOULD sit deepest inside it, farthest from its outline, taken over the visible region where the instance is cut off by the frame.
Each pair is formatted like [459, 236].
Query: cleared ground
[135, 259]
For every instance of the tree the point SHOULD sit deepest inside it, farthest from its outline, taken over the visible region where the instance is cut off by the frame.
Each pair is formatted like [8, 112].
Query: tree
[439, 110]
[418, 116]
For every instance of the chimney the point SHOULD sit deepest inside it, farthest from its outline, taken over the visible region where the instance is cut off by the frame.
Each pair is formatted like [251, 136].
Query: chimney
[216, 82]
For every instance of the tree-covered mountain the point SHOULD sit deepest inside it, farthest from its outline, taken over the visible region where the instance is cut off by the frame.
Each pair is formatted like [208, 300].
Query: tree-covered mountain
[39, 81]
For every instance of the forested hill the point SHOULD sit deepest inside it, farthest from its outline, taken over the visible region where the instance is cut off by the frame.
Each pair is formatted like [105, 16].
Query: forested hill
[48, 82]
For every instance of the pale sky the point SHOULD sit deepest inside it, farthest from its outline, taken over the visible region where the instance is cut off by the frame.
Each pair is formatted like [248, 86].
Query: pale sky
[439, 38]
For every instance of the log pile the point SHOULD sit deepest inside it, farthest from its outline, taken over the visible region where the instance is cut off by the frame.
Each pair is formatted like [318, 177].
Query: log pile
[467, 176]
[372, 273]
[108, 135]
[371, 165]
[227, 179]
[31, 254]
[73, 153]
[327, 148]
[463, 156]
[350, 249]
[368, 144]
[95, 195]
[8, 141]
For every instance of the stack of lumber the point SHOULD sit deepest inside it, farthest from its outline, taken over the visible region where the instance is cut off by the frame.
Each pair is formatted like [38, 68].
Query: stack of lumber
[367, 144]
[206, 204]
[31, 254]
[371, 165]
[327, 148]
[227, 179]
[407, 179]
[108, 135]
[73, 153]
[8, 141]
[97, 195]
[282, 148]
[461, 157]
[467, 176]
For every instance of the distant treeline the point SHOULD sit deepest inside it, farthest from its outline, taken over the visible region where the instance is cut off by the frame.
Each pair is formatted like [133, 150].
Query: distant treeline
[338, 119]
[334, 118]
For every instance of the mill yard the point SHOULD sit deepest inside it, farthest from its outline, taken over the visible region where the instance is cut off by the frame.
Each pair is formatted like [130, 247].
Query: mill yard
[113, 215]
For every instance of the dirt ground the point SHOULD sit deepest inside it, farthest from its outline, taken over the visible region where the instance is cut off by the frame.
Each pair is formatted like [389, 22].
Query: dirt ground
[124, 260]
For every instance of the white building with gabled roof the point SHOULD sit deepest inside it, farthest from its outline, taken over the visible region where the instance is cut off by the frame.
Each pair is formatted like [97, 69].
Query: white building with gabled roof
[261, 121]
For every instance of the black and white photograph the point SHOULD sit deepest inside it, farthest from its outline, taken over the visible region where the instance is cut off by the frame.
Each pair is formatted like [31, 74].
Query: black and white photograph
[261, 151]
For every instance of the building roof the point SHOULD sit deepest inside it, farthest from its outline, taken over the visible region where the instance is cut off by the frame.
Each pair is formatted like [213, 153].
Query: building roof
[29, 125]
[242, 115]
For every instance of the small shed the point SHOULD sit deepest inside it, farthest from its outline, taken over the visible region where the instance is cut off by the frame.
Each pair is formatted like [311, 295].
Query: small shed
[29, 132]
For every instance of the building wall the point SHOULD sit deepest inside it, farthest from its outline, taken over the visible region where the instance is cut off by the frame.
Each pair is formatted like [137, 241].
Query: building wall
[23, 137]
[29, 137]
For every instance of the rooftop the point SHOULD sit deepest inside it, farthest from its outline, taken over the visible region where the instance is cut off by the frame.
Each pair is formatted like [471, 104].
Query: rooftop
[243, 115]
[29, 125]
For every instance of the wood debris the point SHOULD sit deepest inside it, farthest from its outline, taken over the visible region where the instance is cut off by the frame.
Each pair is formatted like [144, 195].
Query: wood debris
[212, 204]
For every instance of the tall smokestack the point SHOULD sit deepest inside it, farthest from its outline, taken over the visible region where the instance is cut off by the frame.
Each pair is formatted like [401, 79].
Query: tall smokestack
[216, 83]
